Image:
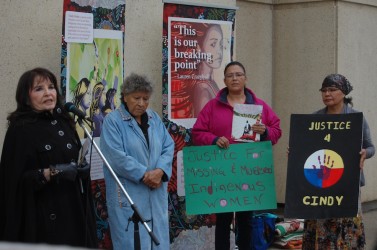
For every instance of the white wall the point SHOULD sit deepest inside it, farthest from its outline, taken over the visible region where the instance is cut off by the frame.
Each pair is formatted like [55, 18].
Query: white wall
[30, 34]
[357, 50]
[305, 52]
[312, 40]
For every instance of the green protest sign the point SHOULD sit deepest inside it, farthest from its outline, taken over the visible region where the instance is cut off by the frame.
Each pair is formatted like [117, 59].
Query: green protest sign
[239, 178]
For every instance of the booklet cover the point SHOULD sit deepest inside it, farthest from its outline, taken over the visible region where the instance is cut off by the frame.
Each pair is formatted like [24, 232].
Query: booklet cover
[244, 116]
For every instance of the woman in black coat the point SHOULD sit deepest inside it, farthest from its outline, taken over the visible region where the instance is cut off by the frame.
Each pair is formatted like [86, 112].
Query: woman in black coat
[44, 192]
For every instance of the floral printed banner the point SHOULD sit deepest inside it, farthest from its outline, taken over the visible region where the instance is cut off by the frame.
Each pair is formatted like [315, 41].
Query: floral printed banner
[91, 75]
[179, 75]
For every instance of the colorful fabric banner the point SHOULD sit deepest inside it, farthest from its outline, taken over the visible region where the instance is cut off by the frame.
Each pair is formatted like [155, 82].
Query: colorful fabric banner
[91, 74]
[192, 73]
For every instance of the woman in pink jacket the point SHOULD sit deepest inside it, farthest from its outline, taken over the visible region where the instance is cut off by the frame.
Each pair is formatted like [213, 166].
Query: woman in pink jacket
[214, 127]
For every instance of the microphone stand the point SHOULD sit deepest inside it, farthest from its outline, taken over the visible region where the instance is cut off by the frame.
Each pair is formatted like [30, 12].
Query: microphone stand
[136, 217]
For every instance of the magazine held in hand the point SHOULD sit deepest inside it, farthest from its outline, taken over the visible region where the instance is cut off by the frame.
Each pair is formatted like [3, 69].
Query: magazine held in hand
[244, 116]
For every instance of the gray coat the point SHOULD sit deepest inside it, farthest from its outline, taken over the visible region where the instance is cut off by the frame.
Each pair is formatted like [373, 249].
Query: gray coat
[367, 140]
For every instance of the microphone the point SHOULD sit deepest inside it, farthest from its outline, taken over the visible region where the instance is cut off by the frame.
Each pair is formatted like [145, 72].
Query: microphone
[70, 107]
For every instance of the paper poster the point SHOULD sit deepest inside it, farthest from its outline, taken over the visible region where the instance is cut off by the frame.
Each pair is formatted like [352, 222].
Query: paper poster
[245, 116]
[323, 166]
[240, 178]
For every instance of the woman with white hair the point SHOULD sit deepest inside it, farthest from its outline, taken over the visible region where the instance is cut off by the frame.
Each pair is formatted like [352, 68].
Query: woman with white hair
[140, 150]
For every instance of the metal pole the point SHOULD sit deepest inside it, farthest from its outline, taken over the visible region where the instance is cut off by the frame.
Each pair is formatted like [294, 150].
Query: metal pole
[133, 205]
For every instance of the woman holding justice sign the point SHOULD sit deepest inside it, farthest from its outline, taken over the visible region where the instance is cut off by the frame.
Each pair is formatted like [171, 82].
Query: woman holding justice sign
[214, 127]
[339, 233]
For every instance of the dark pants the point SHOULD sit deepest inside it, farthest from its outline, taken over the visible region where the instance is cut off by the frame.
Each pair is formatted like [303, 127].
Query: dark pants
[222, 230]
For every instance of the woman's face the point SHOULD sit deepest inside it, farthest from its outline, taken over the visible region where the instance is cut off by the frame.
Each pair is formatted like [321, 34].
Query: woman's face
[137, 102]
[332, 96]
[213, 44]
[98, 94]
[87, 97]
[235, 79]
[42, 95]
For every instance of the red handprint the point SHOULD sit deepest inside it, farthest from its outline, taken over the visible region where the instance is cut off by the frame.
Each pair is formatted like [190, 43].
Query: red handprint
[324, 167]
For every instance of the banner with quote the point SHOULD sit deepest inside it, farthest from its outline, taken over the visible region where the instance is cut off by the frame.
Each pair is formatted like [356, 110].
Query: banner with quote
[92, 69]
[199, 50]
[192, 73]
[323, 166]
[240, 178]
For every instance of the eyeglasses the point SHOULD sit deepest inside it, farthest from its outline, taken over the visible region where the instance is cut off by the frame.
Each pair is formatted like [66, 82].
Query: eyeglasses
[237, 75]
[324, 90]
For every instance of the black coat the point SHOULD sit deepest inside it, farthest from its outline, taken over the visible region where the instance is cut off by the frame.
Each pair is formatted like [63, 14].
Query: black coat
[31, 209]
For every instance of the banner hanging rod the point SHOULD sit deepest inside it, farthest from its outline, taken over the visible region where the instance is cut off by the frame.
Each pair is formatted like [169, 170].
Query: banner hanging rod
[201, 4]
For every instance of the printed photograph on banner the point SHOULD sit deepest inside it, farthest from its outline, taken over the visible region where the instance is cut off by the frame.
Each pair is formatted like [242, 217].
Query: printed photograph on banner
[198, 52]
[94, 75]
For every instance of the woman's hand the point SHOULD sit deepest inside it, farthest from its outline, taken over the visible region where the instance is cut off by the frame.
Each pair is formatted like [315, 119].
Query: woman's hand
[222, 142]
[258, 128]
[153, 178]
[363, 156]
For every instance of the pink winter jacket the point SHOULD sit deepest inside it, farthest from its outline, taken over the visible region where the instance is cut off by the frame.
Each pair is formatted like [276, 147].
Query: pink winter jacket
[215, 120]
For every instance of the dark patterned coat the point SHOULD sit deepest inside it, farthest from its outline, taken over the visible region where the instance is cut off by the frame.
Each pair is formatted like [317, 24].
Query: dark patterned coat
[31, 209]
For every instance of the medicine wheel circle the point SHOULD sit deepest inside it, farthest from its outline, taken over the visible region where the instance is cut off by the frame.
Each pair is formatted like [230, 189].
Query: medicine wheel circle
[324, 168]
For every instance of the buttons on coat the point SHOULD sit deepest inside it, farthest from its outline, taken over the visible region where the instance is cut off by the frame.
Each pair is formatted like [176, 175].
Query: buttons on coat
[54, 122]
[69, 145]
[48, 147]
[61, 133]
[52, 216]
